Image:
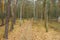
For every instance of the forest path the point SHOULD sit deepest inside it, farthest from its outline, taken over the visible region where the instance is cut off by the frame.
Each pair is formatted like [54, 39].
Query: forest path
[22, 33]
[31, 31]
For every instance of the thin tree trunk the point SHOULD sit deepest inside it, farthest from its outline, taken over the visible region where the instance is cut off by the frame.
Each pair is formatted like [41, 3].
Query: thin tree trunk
[21, 11]
[13, 10]
[45, 15]
[58, 14]
[2, 12]
[58, 11]
[7, 21]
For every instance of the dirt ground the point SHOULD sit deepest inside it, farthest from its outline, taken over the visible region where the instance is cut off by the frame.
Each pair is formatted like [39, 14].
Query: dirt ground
[30, 31]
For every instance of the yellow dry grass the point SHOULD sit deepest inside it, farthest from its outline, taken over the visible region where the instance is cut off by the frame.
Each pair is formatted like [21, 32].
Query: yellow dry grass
[32, 31]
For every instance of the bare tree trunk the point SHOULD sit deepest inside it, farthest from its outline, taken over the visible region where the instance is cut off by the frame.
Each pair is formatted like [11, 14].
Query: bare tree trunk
[2, 19]
[34, 10]
[13, 10]
[45, 16]
[21, 11]
[2, 12]
[7, 21]
[58, 11]
[58, 7]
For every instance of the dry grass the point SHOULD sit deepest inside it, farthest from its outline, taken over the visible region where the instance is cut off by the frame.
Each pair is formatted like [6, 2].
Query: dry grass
[32, 31]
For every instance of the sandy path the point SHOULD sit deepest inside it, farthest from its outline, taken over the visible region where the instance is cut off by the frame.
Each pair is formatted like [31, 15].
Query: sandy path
[22, 33]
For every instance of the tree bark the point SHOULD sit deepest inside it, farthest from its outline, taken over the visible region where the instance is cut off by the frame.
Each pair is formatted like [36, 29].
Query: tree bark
[21, 11]
[45, 15]
[13, 11]
[2, 12]
[7, 21]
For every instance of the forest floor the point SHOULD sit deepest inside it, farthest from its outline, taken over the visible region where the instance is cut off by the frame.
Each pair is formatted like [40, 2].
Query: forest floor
[30, 30]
